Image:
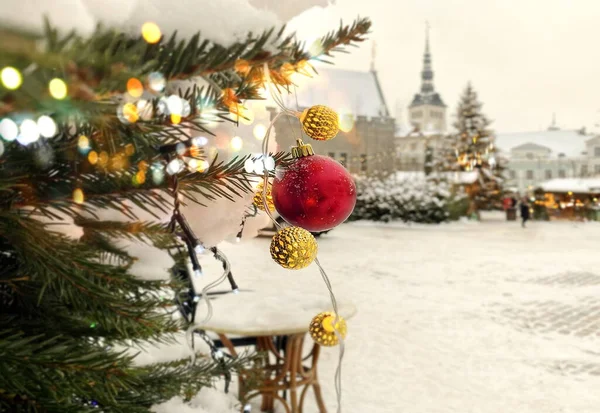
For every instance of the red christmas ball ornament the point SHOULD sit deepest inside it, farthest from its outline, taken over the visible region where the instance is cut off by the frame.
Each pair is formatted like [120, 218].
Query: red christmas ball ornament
[314, 192]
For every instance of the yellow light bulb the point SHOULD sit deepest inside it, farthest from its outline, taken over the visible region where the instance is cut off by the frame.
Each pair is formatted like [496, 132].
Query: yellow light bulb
[57, 88]
[11, 78]
[151, 32]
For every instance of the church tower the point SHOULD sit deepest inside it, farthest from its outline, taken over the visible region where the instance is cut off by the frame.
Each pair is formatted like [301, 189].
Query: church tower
[427, 112]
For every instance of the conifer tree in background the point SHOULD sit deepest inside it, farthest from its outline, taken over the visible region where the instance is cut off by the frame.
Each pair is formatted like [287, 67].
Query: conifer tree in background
[87, 125]
[471, 147]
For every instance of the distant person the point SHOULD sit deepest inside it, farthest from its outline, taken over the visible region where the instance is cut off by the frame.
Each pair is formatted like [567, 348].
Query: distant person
[514, 202]
[524, 212]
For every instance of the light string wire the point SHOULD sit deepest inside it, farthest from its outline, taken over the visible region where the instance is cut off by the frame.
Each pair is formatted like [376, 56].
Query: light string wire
[285, 111]
[192, 243]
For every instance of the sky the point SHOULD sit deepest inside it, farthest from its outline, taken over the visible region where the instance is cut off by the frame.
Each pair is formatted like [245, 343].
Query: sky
[527, 59]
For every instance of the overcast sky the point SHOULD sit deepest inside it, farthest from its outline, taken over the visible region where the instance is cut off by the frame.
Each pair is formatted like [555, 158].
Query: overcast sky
[526, 58]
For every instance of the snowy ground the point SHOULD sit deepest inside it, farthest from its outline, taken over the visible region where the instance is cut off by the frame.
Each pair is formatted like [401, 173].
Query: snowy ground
[464, 317]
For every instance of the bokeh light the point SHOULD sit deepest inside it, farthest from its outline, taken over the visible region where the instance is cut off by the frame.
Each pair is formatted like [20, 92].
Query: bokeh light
[29, 132]
[11, 78]
[9, 130]
[128, 113]
[129, 149]
[103, 158]
[83, 143]
[57, 88]
[78, 196]
[156, 81]
[203, 165]
[135, 87]
[174, 167]
[175, 105]
[199, 141]
[151, 32]
[259, 131]
[93, 157]
[236, 143]
[346, 121]
[46, 126]
[144, 109]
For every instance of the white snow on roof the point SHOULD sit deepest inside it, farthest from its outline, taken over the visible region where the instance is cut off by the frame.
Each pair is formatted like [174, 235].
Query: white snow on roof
[346, 91]
[569, 142]
[577, 185]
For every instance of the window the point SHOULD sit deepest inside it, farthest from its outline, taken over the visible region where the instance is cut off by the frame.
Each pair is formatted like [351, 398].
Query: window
[363, 162]
[597, 151]
[584, 170]
[331, 154]
[529, 174]
[343, 158]
[596, 169]
[548, 174]
[529, 155]
[512, 174]
[417, 114]
[562, 173]
[413, 146]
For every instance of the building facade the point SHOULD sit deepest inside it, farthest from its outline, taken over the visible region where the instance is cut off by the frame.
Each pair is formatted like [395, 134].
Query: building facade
[536, 157]
[365, 142]
[427, 121]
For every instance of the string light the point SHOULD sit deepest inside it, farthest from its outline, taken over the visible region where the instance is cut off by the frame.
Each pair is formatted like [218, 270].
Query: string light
[135, 87]
[93, 157]
[78, 198]
[29, 132]
[46, 126]
[57, 88]
[174, 166]
[199, 141]
[11, 78]
[83, 143]
[9, 130]
[249, 165]
[144, 109]
[156, 81]
[151, 32]
[103, 158]
[203, 165]
[236, 143]
[128, 113]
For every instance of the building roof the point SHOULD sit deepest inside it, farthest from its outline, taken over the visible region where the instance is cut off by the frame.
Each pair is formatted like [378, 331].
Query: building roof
[571, 143]
[530, 146]
[346, 91]
[576, 185]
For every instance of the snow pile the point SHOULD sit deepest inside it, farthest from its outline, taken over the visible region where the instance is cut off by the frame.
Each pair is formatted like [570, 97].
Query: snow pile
[397, 197]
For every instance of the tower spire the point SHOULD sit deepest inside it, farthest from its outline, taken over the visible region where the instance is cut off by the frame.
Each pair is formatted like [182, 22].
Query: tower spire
[373, 55]
[427, 73]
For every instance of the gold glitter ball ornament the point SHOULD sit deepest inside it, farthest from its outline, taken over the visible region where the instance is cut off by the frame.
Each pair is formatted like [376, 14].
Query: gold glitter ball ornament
[322, 329]
[258, 201]
[293, 248]
[320, 122]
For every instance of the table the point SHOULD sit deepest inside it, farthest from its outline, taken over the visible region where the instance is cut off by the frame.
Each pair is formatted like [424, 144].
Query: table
[279, 321]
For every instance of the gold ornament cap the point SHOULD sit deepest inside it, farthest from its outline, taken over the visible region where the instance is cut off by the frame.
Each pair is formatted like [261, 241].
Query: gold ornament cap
[294, 248]
[322, 330]
[302, 150]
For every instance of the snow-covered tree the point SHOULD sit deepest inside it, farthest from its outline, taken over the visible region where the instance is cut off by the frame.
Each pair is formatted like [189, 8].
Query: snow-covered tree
[404, 197]
[471, 147]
